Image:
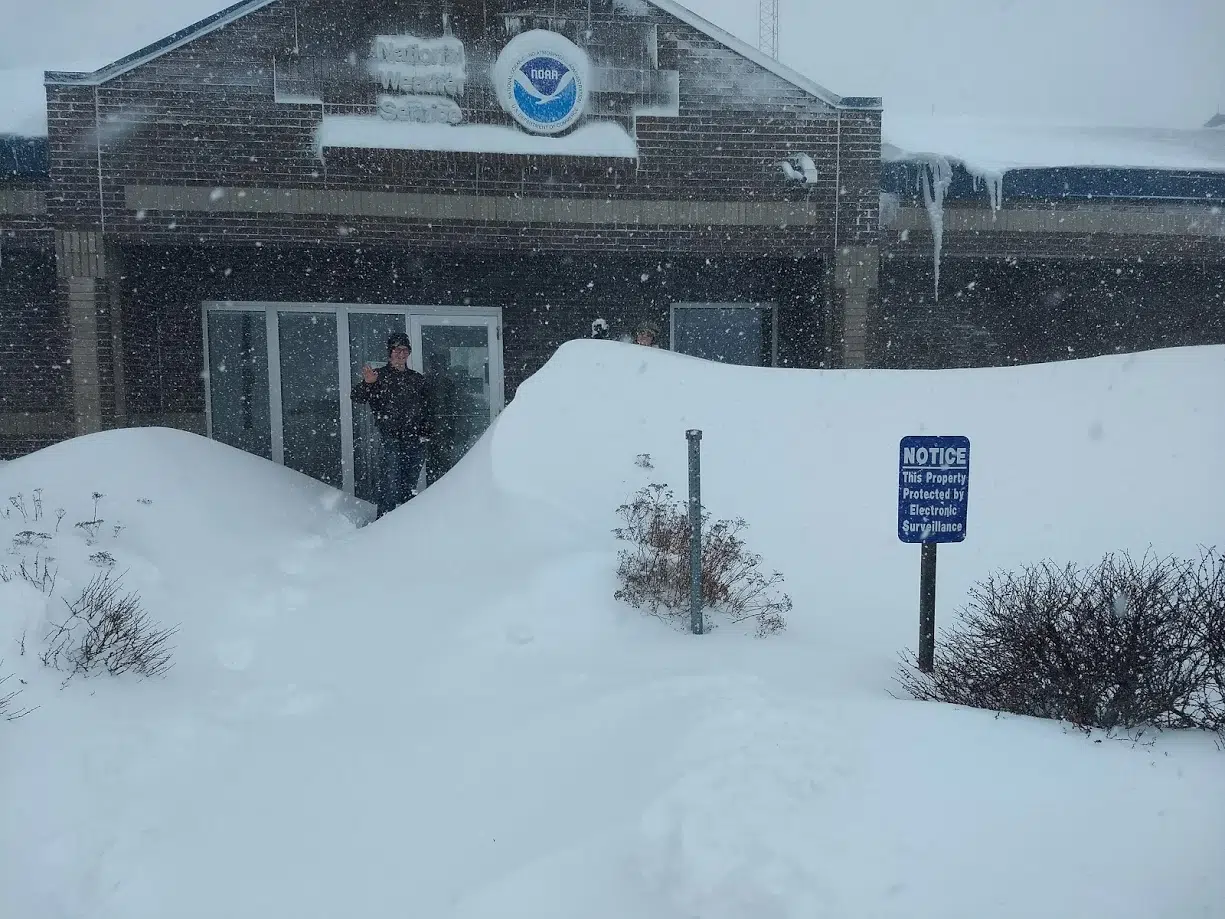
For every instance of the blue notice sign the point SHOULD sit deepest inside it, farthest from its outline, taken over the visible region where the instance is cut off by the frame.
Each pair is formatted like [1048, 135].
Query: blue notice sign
[933, 489]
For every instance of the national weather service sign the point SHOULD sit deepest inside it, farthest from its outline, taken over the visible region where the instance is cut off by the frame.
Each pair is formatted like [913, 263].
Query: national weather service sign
[542, 79]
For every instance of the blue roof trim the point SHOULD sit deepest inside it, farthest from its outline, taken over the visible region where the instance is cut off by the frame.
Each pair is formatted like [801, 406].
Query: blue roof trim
[169, 43]
[24, 157]
[1068, 182]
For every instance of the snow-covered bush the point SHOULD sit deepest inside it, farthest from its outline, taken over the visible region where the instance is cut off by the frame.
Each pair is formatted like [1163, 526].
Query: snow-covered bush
[1122, 645]
[108, 631]
[654, 571]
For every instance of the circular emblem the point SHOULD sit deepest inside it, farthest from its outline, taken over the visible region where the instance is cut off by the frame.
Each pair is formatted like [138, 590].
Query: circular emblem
[542, 81]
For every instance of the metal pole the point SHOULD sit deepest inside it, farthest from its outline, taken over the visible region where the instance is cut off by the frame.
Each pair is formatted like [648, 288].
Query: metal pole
[927, 609]
[695, 531]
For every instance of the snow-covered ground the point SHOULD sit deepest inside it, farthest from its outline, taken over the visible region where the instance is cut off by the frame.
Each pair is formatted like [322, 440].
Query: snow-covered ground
[445, 713]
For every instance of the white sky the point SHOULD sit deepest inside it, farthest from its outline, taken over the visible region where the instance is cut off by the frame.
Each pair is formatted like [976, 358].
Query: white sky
[1157, 63]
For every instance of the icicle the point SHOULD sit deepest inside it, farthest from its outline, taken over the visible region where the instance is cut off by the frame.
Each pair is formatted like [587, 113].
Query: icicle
[993, 179]
[995, 188]
[935, 176]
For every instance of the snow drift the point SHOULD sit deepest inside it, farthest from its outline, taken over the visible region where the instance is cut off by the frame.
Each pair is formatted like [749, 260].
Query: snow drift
[446, 714]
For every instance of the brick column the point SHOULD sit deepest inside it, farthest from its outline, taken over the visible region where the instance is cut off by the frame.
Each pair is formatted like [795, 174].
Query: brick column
[856, 269]
[81, 266]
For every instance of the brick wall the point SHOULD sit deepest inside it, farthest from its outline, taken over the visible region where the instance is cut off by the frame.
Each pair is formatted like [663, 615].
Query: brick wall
[35, 379]
[858, 178]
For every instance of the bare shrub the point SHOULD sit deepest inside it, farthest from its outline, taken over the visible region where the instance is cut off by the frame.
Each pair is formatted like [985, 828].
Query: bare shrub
[654, 570]
[9, 710]
[108, 631]
[1122, 645]
[27, 538]
[92, 526]
[36, 571]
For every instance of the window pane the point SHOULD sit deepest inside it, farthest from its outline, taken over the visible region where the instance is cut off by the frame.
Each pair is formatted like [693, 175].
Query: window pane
[310, 395]
[238, 381]
[455, 360]
[731, 334]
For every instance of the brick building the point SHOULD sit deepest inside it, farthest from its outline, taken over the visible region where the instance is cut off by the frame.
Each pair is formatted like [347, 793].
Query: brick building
[219, 229]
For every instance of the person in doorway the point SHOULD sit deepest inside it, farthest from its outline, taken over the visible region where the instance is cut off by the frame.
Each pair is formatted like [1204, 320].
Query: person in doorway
[647, 334]
[399, 399]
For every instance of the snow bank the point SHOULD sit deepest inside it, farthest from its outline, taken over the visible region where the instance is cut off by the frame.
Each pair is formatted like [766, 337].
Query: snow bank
[1058, 450]
[446, 714]
[181, 518]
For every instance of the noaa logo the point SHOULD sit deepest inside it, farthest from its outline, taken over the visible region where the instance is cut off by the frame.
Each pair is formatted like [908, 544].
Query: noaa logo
[542, 81]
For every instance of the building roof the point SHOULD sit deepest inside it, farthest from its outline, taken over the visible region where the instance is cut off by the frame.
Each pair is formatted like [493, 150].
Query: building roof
[991, 147]
[150, 28]
[83, 41]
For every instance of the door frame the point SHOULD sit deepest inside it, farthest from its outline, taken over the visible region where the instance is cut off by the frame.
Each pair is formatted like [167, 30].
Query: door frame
[743, 304]
[414, 316]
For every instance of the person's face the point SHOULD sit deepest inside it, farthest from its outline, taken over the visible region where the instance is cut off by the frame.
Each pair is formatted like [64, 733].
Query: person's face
[645, 338]
[399, 357]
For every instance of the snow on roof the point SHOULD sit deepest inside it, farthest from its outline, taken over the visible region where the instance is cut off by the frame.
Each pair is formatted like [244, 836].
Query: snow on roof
[79, 36]
[84, 35]
[991, 147]
[599, 138]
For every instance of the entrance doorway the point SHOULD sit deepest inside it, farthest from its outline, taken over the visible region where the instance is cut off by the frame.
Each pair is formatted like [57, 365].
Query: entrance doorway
[279, 377]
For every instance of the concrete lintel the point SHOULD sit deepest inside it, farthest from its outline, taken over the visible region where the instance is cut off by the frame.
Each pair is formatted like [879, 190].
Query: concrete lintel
[347, 203]
[1085, 220]
[24, 201]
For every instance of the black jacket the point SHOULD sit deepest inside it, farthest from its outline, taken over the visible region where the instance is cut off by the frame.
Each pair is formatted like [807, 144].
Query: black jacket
[400, 402]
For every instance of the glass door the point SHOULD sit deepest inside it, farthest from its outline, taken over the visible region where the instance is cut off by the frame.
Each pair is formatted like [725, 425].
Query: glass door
[239, 406]
[309, 391]
[367, 334]
[280, 378]
[461, 359]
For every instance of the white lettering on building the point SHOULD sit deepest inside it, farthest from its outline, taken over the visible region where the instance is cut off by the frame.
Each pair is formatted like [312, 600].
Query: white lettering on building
[430, 72]
[420, 109]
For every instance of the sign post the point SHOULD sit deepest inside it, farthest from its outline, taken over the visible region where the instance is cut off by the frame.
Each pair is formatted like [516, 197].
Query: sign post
[933, 502]
[696, 623]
